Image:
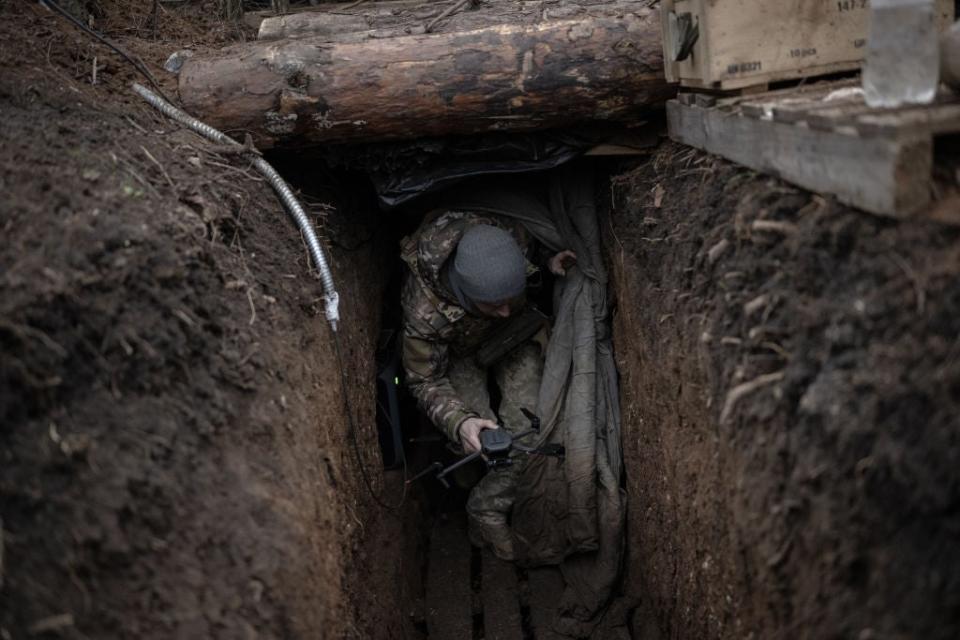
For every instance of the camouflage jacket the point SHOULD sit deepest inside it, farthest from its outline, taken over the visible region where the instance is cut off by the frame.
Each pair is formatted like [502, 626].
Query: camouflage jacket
[436, 327]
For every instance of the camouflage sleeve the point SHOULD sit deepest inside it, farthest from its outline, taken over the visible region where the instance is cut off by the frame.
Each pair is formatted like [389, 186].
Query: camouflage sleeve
[425, 362]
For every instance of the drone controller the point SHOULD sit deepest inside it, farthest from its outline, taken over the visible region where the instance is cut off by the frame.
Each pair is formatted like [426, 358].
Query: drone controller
[496, 445]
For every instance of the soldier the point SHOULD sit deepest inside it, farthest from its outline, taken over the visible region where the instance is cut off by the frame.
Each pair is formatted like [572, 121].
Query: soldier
[468, 275]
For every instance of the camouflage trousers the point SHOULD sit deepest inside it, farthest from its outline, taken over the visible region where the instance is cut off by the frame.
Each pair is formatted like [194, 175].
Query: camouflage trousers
[518, 377]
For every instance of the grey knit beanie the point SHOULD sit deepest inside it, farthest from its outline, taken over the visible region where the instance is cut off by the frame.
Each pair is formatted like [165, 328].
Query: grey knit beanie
[489, 266]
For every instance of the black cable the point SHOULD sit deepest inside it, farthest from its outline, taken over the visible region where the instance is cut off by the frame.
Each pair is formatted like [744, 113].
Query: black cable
[352, 427]
[439, 512]
[363, 471]
[138, 65]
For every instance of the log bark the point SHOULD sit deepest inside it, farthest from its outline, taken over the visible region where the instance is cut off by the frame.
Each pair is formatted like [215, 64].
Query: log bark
[333, 20]
[399, 17]
[499, 78]
[320, 24]
[337, 31]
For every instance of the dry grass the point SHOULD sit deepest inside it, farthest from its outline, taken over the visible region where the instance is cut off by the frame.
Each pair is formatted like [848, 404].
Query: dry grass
[212, 22]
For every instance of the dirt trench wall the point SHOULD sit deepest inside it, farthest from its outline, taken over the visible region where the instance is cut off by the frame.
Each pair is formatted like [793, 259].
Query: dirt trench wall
[791, 380]
[173, 452]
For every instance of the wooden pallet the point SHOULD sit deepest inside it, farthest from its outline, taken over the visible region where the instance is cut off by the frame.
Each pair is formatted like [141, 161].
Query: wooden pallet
[824, 138]
[500, 590]
[545, 586]
[449, 596]
[470, 592]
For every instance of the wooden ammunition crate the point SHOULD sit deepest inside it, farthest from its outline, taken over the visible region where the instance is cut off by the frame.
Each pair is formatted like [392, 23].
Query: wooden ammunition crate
[750, 42]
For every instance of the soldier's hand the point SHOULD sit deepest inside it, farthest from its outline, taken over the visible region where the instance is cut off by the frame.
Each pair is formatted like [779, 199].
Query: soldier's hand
[559, 263]
[470, 432]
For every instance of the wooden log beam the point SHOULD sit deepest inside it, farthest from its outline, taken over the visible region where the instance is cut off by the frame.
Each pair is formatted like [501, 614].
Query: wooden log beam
[499, 78]
[255, 19]
[333, 20]
[323, 24]
[388, 19]
[336, 31]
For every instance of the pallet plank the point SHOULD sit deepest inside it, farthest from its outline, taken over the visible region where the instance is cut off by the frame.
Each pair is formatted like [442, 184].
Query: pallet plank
[935, 120]
[883, 176]
[811, 111]
[448, 593]
[501, 599]
[705, 100]
[810, 92]
[837, 115]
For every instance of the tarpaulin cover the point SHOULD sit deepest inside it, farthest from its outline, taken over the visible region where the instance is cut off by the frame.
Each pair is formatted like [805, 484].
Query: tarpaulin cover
[403, 171]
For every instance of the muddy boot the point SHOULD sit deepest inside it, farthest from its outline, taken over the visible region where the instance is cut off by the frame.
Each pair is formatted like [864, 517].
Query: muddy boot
[488, 507]
[495, 535]
[500, 540]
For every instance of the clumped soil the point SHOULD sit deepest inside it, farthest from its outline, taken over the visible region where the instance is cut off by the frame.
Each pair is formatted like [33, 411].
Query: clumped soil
[791, 386]
[174, 459]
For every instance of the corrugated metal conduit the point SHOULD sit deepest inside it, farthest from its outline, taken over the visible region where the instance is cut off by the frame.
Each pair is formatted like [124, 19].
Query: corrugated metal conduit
[331, 298]
[287, 197]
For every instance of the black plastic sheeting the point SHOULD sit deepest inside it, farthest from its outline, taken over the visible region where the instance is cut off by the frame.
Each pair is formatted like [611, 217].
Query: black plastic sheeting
[401, 172]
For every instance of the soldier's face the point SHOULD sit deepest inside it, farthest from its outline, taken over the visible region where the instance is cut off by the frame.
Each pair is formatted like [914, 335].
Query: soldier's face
[502, 309]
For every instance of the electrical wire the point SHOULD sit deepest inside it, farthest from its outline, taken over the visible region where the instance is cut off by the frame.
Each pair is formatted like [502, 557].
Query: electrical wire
[291, 203]
[293, 206]
[137, 64]
[280, 186]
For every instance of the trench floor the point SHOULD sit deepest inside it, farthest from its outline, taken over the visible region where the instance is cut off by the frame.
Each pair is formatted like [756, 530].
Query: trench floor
[470, 593]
